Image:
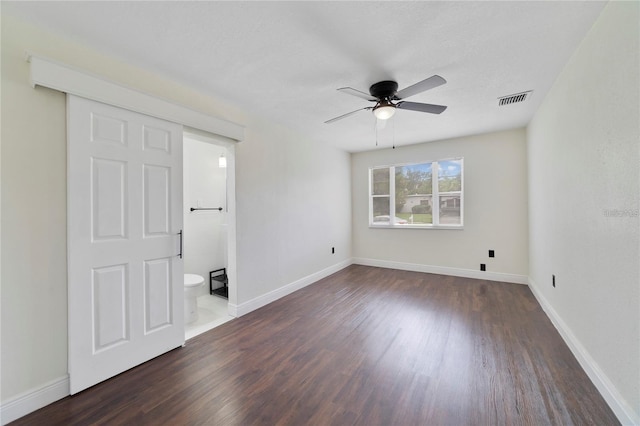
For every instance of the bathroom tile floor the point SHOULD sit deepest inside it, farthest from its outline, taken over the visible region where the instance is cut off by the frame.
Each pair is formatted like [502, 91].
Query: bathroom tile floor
[212, 312]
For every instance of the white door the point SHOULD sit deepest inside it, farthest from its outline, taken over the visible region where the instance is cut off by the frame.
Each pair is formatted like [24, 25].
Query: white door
[124, 233]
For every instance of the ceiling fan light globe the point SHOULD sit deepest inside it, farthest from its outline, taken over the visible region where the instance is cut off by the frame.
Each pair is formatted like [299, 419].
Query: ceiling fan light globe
[384, 112]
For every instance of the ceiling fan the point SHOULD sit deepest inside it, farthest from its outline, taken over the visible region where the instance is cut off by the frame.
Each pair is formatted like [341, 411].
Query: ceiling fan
[384, 93]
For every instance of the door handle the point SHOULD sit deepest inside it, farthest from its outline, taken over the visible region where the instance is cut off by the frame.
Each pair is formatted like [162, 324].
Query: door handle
[180, 254]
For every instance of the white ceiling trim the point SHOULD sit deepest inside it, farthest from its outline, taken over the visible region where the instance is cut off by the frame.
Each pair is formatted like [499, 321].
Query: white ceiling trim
[64, 78]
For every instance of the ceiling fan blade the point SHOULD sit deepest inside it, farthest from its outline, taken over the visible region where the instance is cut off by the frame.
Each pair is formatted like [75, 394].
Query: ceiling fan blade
[358, 93]
[429, 83]
[416, 106]
[345, 115]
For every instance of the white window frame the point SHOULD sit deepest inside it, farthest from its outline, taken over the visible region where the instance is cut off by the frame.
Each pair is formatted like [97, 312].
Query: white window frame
[435, 194]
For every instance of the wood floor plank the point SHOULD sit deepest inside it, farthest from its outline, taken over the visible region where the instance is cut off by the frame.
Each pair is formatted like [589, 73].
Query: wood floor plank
[365, 346]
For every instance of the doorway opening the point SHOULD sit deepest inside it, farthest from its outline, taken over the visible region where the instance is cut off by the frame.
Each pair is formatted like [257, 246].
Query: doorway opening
[209, 231]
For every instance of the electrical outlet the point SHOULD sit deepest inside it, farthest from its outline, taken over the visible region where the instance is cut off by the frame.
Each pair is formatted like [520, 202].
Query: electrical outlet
[333, 250]
[492, 253]
[483, 267]
[553, 280]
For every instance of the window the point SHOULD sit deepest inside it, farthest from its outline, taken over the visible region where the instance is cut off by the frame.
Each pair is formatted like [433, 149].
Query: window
[421, 195]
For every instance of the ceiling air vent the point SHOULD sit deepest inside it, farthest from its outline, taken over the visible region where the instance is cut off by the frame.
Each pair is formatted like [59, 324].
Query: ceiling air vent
[513, 99]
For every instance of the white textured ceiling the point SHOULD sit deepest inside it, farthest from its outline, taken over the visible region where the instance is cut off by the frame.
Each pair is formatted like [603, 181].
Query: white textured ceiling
[285, 60]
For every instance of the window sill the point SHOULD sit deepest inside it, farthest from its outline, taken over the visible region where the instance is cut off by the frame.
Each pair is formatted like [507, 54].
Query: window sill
[449, 227]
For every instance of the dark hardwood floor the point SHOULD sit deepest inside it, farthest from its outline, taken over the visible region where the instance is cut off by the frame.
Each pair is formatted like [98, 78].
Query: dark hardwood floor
[365, 346]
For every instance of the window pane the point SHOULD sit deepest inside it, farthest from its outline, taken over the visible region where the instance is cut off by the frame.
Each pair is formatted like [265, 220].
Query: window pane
[421, 217]
[416, 194]
[450, 176]
[413, 194]
[450, 209]
[380, 181]
[381, 212]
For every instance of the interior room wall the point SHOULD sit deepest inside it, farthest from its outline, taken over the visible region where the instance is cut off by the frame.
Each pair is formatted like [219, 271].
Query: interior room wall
[584, 164]
[283, 234]
[495, 208]
[204, 184]
[297, 206]
[34, 227]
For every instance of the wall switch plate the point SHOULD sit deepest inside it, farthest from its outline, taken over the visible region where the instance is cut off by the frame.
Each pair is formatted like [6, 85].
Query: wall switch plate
[483, 267]
[492, 253]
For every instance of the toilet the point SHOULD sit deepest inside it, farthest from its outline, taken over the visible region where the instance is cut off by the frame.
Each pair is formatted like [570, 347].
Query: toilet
[192, 283]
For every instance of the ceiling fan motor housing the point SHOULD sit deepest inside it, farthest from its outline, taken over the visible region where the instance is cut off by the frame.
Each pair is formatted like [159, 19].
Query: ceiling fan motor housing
[384, 89]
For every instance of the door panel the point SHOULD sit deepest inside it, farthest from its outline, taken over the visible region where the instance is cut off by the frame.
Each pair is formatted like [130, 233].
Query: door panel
[157, 301]
[157, 139]
[110, 289]
[157, 200]
[108, 199]
[108, 130]
[124, 214]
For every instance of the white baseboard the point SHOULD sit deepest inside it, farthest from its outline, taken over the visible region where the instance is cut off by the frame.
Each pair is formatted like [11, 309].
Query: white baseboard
[34, 399]
[232, 308]
[443, 270]
[272, 296]
[621, 409]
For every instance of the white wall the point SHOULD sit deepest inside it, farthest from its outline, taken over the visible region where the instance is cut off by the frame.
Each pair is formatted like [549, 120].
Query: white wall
[293, 203]
[34, 265]
[495, 207]
[205, 231]
[296, 206]
[583, 160]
